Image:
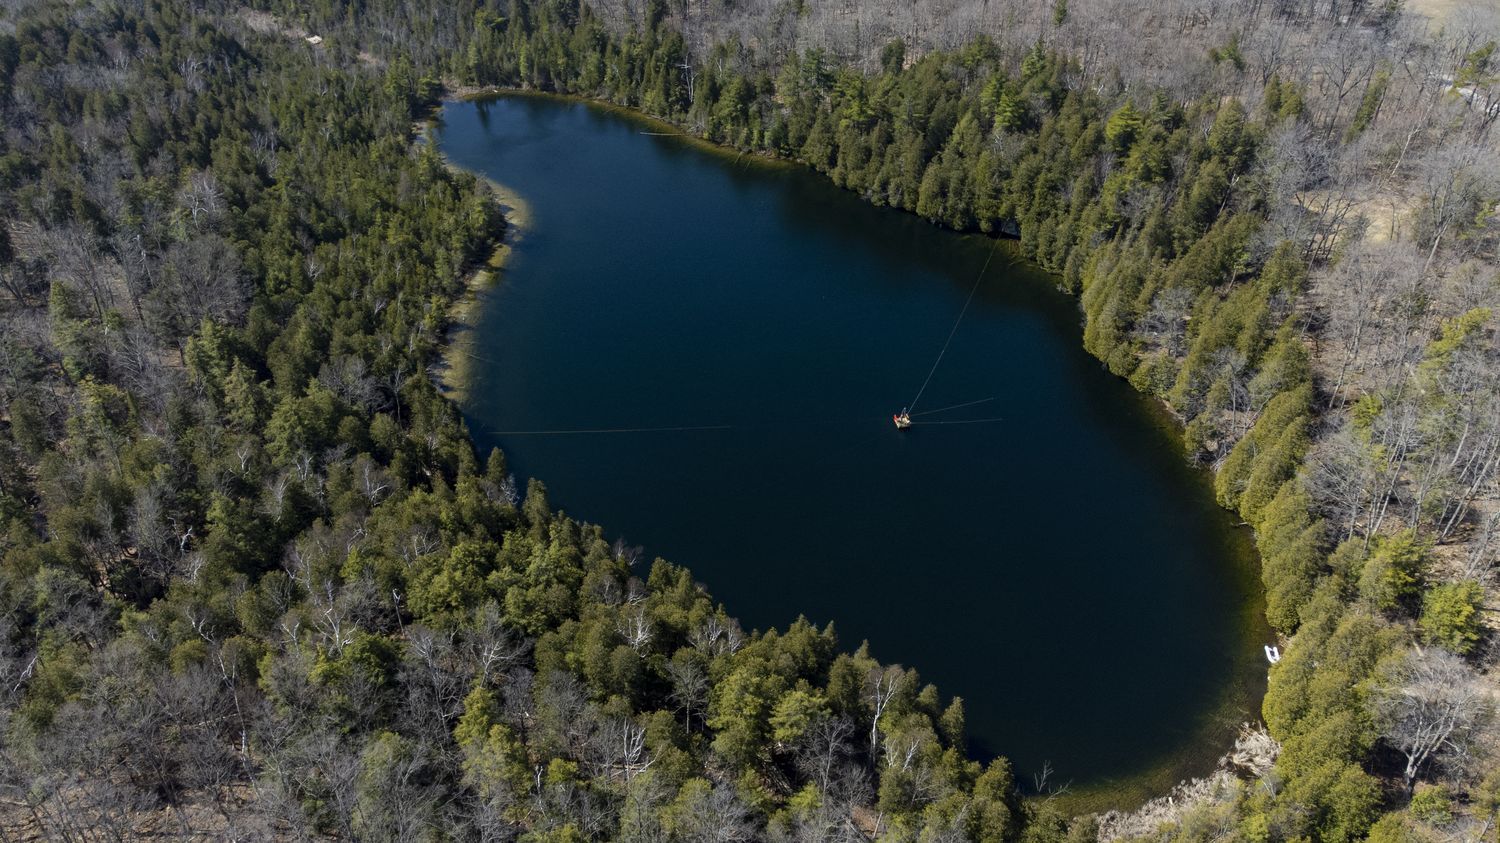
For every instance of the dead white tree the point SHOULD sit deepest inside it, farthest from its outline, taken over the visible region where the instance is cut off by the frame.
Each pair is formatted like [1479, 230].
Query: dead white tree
[717, 636]
[689, 688]
[1429, 706]
[882, 684]
[634, 627]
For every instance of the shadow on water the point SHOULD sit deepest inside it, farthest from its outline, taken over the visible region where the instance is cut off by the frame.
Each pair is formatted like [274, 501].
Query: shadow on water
[1063, 569]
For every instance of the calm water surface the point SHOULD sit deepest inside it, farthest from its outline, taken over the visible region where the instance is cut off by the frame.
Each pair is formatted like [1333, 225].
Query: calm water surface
[1061, 569]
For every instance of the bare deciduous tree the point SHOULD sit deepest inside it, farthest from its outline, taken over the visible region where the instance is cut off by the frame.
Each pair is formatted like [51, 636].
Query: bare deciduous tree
[689, 688]
[1429, 707]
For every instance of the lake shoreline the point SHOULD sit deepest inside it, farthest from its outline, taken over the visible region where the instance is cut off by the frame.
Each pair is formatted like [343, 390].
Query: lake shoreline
[451, 372]
[1156, 780]
[664, 128]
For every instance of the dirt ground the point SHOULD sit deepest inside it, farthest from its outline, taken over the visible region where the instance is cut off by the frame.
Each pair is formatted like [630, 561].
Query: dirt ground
[1440, 10]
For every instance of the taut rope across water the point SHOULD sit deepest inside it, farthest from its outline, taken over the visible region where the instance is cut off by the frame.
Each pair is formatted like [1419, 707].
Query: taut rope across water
[957, 406]
[565, 431]
[907, 415]
[954, 330]
[965, 421]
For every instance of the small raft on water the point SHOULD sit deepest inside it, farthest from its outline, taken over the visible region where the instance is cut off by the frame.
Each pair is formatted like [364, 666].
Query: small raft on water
[902, 420]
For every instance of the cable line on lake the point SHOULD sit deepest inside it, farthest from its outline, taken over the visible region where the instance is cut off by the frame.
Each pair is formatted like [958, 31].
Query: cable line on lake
[903, 418]
[956, 406]
[691, 428]
[598, 430]
[989, 420]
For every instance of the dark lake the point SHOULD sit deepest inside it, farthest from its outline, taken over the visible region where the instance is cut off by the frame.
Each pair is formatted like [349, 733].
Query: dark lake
[1061, 568]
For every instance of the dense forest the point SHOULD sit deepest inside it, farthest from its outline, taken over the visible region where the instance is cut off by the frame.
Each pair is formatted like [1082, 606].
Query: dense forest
[256, 581]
